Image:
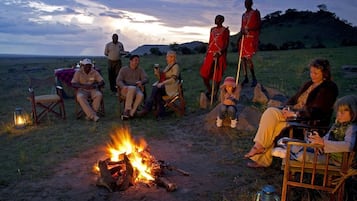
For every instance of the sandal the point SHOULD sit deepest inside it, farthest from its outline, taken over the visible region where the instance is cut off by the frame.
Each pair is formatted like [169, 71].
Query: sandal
[254, 151]
[254, 165]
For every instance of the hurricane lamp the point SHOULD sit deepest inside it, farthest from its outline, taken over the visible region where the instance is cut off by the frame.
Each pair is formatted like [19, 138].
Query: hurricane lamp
[19, 118]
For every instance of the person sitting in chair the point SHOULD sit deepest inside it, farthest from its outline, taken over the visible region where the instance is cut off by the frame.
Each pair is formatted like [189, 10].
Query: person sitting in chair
[167, 85]
[88, 81]
[131, 80]
[314, 101]
[341, 137]
[342, 134]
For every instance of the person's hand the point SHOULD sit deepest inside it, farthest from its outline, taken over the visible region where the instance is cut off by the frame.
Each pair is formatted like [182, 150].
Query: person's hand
[288, 113]
[245, 31]
[315, 138]
[157, 72]
[217, 54]
[94, 85]
[228, 102]
[138, 83]
[160, 84]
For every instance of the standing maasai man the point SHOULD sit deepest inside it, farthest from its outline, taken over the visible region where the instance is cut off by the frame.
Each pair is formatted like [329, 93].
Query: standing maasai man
[250, 31]
[217, 49]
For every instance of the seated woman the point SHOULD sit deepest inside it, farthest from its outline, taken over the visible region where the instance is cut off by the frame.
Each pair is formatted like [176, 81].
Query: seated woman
[167, 85]
[342, 135]
[314, 100]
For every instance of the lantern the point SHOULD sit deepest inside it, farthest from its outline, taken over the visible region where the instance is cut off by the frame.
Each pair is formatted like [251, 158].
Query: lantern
[268, 193]
[19, 118]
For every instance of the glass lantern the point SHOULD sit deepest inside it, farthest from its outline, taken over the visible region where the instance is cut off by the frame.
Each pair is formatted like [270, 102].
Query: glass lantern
[19, 118]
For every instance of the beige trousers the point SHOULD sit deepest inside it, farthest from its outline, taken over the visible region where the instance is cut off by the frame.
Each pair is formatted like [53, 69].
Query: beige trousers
[82, 98]
[272, 122]
[133, 98]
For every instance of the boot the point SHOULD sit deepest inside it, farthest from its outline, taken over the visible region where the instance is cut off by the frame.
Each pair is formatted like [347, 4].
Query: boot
[245, 81]
[234, 123]
[254, 82]
[143, 112]
[219, 122]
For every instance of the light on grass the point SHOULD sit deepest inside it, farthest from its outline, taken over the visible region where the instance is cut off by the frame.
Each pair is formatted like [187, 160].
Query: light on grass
[20, 118]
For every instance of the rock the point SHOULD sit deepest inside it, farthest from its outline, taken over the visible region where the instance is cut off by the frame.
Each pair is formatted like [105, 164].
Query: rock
[248, 118]
[259, 95]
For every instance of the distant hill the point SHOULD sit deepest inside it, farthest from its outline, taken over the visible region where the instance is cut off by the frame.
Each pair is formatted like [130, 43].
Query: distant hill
[291, 30]
[185, 48]
[303, 29]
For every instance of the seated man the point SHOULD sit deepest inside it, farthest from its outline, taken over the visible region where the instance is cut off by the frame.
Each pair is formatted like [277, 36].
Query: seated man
[88, 81]
[131, 80]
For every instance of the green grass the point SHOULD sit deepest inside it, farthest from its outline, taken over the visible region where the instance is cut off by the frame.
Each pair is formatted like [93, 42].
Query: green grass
[32, 153]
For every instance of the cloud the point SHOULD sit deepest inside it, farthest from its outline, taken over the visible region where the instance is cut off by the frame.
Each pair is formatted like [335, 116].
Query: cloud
[78, 27]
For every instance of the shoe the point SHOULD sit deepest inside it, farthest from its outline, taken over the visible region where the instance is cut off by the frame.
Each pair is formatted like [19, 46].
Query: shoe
[219, 122]
[234, 123]
[142, 112]
[254, 165]
[208, 95]
[254, 83]
[279, 152]
[96, 118]
[125, 115]
[254, 151]
[245, 81]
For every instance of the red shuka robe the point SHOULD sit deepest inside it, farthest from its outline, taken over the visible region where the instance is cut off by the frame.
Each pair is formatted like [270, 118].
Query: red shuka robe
[218, 42]
[251, 21]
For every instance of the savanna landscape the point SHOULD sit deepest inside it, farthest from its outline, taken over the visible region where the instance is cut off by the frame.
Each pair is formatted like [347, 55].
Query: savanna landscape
[54, 160]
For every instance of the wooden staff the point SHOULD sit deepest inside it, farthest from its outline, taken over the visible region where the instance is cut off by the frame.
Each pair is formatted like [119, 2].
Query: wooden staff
[239, 59]
[214, 75]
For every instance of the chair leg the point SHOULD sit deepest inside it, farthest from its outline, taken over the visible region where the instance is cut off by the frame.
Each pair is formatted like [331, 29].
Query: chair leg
[62, 110]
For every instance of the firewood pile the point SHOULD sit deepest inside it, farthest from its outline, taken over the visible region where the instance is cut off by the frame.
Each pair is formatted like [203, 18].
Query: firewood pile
[120, 175]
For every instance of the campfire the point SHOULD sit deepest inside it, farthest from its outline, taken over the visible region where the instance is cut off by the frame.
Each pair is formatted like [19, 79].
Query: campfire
[130, 163]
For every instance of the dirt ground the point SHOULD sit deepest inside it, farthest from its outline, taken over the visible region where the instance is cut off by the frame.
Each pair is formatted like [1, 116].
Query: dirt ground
[213, 157]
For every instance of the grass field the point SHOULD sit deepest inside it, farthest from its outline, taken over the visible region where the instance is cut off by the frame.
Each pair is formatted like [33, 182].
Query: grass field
[32, 153]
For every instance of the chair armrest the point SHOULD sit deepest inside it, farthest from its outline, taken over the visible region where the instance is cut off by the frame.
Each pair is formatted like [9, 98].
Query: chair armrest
[59, 90]
[304, 144]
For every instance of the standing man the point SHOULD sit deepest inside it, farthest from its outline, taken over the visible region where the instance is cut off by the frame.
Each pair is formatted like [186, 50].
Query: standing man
[88, 81]
[250, 30]
[215, 61]
[113, 50]
[131, 80]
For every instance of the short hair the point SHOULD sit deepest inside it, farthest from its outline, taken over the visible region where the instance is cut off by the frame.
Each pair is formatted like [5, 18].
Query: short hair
[350, 102]
[171, 52]
[220, 17]
[324, 66]
[133, 56]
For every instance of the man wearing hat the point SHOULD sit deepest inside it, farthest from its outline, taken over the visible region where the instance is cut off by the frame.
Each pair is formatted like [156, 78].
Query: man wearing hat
[229, 96]
[88, 81]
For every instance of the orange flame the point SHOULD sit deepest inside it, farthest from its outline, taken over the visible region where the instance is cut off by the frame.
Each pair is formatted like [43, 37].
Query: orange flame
[123, 143]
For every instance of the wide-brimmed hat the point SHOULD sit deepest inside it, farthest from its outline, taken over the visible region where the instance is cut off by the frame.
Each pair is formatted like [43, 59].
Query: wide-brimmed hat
[86, 61]
[229, 81]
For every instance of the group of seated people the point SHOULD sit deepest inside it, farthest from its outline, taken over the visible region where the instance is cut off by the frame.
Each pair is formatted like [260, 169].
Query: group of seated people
[130, 80]
[314, 101]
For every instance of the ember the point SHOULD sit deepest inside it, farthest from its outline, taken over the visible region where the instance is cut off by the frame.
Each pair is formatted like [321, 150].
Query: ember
[130, 163]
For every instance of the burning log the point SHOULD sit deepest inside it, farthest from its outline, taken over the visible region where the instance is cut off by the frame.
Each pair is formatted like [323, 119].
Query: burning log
[166, 183]
[171, 168]
[127, 179]
[106, 180]
[132, 163]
